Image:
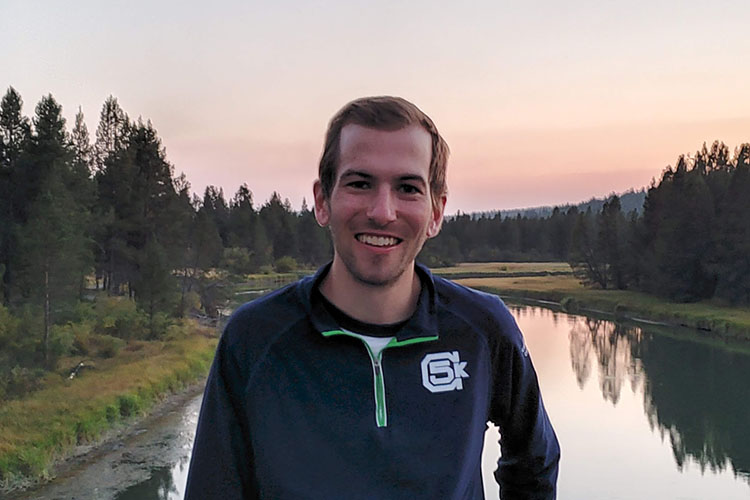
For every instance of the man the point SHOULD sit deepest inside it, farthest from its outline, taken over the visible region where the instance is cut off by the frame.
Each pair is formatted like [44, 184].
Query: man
[373, 379]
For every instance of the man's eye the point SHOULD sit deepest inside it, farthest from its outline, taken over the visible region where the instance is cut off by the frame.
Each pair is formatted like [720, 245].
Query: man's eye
[359, 184]
[409, 189]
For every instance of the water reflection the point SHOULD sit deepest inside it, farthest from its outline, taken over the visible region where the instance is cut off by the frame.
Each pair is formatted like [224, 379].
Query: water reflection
[165, 483]
[695, 394]
[698, 395]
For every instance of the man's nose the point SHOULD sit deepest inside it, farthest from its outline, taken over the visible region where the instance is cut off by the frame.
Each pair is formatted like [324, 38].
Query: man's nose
[382, 208]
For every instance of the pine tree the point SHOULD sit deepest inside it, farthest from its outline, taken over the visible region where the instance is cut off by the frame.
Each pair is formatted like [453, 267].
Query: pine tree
[154, 286]
[112, 259]
[586, 258]
[15, 131]
[611, 242]
[679, 214]
[53, 247]
[278, 220]
[314, 243]
[733, 234]
[215, 205]
[242, 219]
[111, 134]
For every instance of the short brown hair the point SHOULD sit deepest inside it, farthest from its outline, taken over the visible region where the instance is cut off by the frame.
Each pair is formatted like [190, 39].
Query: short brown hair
[383, 113]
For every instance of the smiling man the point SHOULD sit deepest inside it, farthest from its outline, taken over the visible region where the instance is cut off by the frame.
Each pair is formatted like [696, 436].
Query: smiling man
[373, 379]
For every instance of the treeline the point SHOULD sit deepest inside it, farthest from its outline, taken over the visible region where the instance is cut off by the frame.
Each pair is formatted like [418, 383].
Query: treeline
[692, 241]
[83, 217]
[108, 214]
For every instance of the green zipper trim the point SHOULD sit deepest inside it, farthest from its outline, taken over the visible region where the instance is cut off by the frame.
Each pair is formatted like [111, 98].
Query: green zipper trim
[401, 343]
[381, 414]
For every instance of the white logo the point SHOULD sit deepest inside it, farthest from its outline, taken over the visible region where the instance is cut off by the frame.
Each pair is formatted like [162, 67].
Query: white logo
[443, 371]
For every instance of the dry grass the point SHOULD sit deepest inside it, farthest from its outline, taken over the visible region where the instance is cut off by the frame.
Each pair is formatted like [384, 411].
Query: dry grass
[556, 283]
[46, 425]
[504, 267]
[723, 320]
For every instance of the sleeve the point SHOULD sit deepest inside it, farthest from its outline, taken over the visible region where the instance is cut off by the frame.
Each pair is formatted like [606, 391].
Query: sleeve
[530, 452]
[221, 466]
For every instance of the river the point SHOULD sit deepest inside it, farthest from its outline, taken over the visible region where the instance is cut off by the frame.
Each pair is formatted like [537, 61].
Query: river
[640, 412]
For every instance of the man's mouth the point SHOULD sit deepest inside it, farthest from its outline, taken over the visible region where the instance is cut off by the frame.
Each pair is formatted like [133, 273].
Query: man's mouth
[378, 241]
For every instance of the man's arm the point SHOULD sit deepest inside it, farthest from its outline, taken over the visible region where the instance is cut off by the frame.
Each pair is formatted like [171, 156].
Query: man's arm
[530, 452]
[222, 464]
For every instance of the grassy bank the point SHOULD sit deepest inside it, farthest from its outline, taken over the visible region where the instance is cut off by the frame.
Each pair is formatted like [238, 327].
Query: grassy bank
[46, 425]
[723, 321]
[503, 270]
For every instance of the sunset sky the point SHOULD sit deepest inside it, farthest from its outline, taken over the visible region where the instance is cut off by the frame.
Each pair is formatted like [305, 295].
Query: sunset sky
[542, 102]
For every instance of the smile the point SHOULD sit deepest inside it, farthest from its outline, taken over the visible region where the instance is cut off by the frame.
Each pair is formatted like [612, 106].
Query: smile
[378, 241]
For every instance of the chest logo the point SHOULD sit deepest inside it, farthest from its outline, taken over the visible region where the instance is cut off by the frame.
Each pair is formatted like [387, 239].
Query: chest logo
[443, 371]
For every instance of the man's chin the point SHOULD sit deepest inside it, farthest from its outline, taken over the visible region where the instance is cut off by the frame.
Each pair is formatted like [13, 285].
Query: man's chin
[378, 278]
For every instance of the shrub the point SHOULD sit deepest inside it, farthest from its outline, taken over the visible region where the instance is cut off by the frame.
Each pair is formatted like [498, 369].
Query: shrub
[570, 305]
[190, 302]
[107, 346]
[178, 330]
[120, 318]
[129, 404]
[285, 264]
[112, 413]
[8, 327]
[61, 340]
[20, 380]
[236, 260]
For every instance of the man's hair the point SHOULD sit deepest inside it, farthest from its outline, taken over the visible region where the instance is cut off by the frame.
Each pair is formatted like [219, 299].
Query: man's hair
[382, 113]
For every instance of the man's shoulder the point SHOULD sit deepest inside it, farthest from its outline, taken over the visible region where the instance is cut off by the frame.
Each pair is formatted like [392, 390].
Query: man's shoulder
[483, 311]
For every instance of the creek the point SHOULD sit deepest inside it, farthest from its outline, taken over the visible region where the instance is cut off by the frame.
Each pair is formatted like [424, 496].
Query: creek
[641, 411]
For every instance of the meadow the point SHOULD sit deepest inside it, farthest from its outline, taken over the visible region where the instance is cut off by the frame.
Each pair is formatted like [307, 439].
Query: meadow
[550, 282]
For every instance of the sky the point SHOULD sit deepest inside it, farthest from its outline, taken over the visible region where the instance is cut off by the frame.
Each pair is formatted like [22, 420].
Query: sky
[541, 102]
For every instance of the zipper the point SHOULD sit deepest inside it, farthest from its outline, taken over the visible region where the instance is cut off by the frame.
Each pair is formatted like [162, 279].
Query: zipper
[381, 413]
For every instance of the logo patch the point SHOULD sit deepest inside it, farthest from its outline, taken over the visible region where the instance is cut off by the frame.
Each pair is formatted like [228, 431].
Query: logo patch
[443, 371]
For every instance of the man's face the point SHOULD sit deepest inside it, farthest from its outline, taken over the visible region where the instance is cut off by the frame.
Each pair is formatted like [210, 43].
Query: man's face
[380, 210]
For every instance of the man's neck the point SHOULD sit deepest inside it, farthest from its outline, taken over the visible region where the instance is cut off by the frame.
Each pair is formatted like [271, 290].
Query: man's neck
[375, 304]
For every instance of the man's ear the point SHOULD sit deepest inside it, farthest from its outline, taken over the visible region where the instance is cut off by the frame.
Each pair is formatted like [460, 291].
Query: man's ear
[322, 209]
[437, 216]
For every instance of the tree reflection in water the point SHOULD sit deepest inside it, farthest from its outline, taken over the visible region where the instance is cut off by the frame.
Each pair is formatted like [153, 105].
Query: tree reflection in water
[611, 344]
[160, 486]
[696, 394]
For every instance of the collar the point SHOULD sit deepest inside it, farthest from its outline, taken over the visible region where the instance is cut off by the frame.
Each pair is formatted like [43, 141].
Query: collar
[423, 322]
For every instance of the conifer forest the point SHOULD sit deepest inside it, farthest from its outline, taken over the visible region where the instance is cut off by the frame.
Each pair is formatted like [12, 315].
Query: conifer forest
[101, 242]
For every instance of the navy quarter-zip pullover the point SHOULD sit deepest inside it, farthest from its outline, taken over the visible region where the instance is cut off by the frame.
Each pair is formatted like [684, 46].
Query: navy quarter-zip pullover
[296, 407]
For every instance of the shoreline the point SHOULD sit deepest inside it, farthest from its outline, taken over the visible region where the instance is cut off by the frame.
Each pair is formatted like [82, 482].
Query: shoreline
[719, 323]
[66, 425]
[115, 463]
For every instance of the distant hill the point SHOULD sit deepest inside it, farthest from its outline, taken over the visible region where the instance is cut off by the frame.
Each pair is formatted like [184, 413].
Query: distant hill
[629, 201]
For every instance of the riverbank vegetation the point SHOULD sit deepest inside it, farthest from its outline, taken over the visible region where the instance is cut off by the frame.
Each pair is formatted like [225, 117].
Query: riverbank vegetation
[66, 410]
[566, 289]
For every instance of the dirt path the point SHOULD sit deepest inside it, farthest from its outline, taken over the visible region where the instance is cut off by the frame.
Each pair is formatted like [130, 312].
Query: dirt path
[130, 458]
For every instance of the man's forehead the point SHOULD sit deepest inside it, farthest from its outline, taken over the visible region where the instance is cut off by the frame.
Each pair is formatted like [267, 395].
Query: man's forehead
[412, 141]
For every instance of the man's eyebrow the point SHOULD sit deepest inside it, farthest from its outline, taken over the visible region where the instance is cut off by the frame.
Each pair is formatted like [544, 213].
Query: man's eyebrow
[355, 173]
[413, 177]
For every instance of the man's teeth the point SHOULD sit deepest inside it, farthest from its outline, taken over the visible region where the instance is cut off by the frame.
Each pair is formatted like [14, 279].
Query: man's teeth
[378, 241]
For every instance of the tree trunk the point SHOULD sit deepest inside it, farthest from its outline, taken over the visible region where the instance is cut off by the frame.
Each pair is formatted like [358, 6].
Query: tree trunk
[46, 315]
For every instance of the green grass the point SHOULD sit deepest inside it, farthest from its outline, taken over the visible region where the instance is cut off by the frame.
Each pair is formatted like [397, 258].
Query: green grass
[503, 269]
[493, 267]
[46, 425]
[719, 319]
